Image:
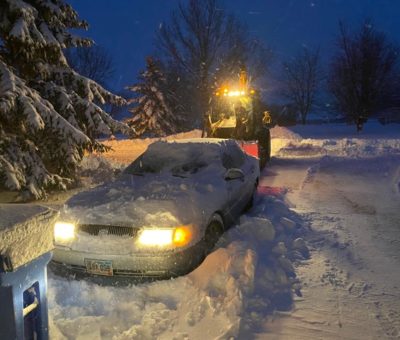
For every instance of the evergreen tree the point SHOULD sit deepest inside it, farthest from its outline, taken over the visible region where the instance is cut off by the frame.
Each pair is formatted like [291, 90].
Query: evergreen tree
[49, 114]
[152, 113]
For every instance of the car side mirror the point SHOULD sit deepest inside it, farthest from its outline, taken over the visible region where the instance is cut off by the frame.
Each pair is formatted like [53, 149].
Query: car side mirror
[234, 173]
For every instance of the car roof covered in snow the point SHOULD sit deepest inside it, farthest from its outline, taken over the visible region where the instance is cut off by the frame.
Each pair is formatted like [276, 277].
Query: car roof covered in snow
[186, 155]
[205, 148]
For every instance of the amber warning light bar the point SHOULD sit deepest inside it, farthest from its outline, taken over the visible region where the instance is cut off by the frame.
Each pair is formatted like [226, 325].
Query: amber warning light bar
[233, 93]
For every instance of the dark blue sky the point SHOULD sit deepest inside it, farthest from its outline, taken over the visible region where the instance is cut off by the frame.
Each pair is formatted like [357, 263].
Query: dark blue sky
[126, 27]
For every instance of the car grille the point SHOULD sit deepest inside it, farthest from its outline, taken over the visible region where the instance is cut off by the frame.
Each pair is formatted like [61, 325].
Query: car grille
[116, 272]
[111, 230]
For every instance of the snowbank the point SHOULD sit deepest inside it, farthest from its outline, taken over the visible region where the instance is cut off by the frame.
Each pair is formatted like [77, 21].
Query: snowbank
[284, 133]
[371, 130]
[127, 150]
[340, 140]
[347, 147]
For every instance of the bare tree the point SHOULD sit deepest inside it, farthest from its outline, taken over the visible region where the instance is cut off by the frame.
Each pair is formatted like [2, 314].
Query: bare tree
[241, 51]
[203, 43]
[301, 81]
[93, 62]
[363, 73]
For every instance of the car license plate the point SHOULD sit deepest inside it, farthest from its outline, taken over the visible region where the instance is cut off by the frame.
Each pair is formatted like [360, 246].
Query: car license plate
[99, 267]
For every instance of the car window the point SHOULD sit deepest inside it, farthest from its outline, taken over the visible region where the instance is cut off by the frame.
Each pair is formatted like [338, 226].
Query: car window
[233, 157]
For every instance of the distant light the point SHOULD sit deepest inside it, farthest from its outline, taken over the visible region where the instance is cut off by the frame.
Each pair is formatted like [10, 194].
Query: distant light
[236, 93]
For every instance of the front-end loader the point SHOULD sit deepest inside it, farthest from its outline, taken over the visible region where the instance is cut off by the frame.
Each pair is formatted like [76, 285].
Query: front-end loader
[237, 112]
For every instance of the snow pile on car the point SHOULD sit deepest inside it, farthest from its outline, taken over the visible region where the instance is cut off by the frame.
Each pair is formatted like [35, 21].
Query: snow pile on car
[248, 275]
[99, 169]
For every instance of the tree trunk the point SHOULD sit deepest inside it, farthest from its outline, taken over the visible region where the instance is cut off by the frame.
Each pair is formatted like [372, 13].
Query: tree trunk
[303, 118]
[359, 124]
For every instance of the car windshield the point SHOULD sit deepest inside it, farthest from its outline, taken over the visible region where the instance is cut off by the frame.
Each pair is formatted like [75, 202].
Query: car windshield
[177, 159]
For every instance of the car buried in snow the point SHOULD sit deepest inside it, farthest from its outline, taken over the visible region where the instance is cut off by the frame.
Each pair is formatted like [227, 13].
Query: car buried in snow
[161, 216]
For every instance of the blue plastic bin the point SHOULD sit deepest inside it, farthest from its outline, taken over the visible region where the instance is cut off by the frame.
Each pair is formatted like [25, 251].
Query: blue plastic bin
[23, 300]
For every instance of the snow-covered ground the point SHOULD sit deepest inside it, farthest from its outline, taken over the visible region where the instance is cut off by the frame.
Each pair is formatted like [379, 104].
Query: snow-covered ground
[346, 188]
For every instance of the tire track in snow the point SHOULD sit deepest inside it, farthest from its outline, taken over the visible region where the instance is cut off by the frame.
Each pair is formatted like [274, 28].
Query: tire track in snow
[389, 321]
[396, 181]
[310, 175]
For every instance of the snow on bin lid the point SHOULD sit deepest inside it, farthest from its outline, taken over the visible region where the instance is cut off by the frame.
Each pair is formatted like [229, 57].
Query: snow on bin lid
[26, 232]
[12, 214]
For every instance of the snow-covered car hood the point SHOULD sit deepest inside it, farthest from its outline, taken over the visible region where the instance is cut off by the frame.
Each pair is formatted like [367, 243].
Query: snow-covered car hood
[150, 200]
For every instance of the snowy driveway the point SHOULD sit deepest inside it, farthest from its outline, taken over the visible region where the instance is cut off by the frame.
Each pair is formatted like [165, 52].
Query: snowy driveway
[351, 285]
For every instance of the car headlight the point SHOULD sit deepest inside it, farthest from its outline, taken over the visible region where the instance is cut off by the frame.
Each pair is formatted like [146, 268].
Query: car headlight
[64, 232]
[165, 237]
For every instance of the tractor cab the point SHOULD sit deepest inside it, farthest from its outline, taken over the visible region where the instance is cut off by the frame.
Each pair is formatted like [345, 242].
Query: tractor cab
[232, 115]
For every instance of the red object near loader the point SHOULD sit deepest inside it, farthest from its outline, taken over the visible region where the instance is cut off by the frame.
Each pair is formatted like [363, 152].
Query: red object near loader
[251, 148]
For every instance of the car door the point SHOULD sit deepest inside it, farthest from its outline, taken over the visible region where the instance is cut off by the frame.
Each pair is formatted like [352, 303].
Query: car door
[238, 189]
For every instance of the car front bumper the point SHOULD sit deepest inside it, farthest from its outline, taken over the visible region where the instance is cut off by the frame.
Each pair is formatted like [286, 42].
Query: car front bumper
[155, 265]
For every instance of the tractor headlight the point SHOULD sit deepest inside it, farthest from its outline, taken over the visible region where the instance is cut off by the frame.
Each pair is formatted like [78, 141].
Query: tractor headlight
[64, 232]
[165, 237]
